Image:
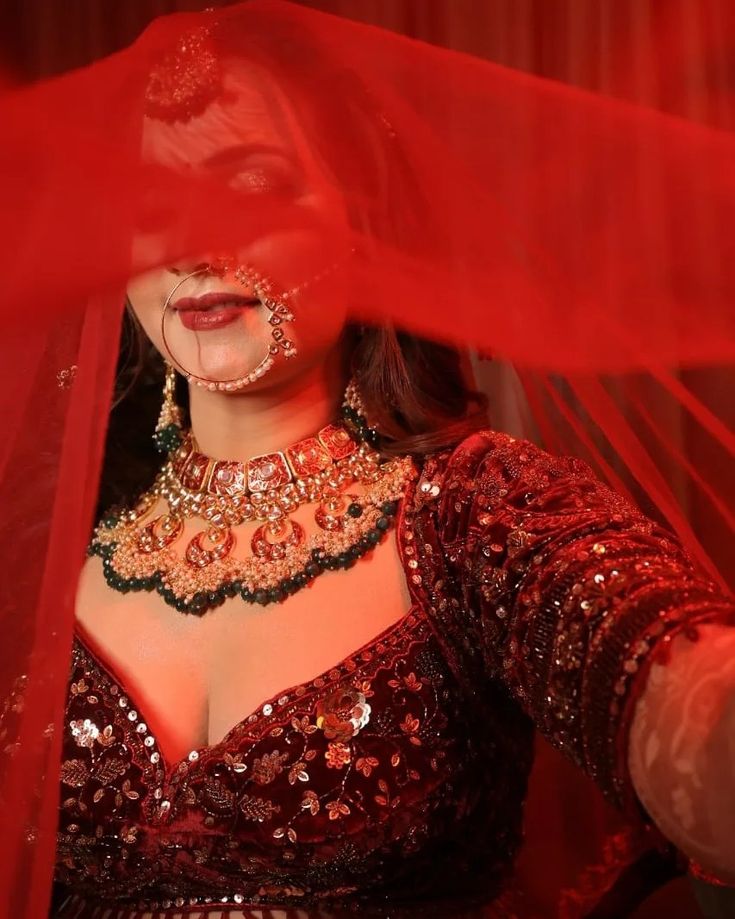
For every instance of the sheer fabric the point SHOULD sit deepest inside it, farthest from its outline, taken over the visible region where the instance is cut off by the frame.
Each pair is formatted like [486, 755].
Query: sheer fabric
[583, 239]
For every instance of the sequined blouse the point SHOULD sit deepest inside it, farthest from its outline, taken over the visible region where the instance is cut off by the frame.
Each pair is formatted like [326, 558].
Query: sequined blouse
[393, 783]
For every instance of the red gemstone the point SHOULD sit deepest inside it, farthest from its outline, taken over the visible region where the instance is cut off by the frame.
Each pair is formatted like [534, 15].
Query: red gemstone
[195, 471]
[268, 471]
[337, 441]
[228, 478]
[308, 457]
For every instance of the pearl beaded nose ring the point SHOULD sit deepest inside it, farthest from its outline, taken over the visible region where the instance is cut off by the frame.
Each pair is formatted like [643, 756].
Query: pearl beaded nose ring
[280, 313]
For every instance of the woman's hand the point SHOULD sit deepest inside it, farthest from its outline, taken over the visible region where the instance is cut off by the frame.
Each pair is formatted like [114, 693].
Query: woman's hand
[681, 749]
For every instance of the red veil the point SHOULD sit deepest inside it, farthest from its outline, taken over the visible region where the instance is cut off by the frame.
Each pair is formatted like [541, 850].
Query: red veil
[583, 241]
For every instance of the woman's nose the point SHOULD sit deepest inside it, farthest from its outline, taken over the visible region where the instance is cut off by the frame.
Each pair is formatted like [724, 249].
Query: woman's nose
[181, 270]
[217, 263]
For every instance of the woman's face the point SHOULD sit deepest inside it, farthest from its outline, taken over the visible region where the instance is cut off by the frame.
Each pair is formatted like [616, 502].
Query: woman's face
[249, 139]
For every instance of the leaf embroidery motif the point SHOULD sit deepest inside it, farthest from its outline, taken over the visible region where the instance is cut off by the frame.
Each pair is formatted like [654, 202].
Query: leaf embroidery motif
[74, 772]
[310, 802]
[366, 764]
[337, 809]
[297, 773]
[258, 809]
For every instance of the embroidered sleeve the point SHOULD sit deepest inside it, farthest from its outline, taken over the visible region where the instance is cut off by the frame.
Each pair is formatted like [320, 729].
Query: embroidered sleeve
[573, 593]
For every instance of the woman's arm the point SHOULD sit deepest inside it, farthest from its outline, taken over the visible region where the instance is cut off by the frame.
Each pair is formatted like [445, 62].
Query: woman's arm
[681, 752]
[575, 594]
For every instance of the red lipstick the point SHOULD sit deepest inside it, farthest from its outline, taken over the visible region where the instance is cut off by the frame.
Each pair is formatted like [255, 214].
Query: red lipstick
[212, 311]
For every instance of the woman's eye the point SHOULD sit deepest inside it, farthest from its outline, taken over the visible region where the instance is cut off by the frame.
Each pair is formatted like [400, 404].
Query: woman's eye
[257, 180]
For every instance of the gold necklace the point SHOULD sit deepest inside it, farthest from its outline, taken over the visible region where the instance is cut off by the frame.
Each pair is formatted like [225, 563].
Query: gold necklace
[137, 546]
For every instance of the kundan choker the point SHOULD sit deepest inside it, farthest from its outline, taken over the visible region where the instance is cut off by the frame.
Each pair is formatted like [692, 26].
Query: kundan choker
[190, 537]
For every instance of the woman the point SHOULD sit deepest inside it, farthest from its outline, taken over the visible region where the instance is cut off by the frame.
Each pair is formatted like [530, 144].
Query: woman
[324, 753]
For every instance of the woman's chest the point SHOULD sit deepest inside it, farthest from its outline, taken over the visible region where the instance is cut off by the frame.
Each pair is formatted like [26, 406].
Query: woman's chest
[380, 758]
[196, 677]
[356, 748]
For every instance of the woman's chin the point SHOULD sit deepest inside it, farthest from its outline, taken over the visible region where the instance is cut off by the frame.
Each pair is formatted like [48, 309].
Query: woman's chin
[225, 373]
[224, 363]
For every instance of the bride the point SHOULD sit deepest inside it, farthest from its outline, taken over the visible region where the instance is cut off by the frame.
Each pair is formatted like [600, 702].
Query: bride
[315, 632]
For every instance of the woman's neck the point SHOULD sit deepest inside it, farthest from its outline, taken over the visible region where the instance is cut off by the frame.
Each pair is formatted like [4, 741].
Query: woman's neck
[237, 426]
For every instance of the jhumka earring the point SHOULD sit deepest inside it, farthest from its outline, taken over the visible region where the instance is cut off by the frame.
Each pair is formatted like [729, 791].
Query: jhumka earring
[167, 435]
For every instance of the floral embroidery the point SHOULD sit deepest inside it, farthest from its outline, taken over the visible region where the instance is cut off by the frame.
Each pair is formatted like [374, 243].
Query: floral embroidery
[129, 835]
[126, 791]
[74, 772]
[337, 809]
[298, 773]
[412, 682]
[235, 762]
[217, 798]
[303, 725]
[408, 761]
[310, 802]
[266, 768]
[410, 725]
[337, 755]
[384, 799]
[84, 732]
[233, 793]
[259, 809]
[109, 770]
[342, 714]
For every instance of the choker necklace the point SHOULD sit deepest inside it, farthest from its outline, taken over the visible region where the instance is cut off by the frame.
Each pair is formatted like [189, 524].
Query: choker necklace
[190, 536]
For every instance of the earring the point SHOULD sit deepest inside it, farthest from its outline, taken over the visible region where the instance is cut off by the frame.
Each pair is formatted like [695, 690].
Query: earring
[353, 412]
[167, 436]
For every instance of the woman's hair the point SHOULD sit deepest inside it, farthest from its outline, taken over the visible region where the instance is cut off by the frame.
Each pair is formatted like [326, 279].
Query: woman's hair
[416, 392]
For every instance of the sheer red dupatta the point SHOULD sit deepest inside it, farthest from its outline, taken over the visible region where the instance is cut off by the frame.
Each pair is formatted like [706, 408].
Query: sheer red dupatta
[581, 238]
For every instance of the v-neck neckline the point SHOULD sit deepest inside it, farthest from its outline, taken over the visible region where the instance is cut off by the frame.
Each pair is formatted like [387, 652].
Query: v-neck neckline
[265, 708]
[263, 711]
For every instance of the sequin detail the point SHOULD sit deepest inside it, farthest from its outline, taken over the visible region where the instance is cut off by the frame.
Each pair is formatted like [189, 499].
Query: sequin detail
[539, 596]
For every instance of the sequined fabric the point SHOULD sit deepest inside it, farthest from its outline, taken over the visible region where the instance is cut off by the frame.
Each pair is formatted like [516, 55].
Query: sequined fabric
[393, 783]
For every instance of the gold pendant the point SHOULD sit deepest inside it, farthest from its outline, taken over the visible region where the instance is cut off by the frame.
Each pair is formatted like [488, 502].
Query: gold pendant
[272, 540]
[159, 534]
[331, 513]
[222, 542]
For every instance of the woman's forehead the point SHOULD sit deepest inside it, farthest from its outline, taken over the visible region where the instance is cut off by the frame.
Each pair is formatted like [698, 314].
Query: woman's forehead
[251, 111]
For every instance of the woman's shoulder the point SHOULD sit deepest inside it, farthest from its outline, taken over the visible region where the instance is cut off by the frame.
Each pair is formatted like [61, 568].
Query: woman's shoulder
[491, 475]
[488, 455]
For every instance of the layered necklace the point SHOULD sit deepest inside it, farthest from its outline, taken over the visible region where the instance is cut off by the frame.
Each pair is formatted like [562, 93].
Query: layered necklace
[186, 537]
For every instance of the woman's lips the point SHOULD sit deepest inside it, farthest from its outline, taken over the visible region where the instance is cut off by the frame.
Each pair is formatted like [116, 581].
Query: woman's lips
[212, 311]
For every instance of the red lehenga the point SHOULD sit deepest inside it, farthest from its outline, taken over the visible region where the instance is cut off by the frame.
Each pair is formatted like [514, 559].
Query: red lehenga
[582, 239]
[539, 595]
